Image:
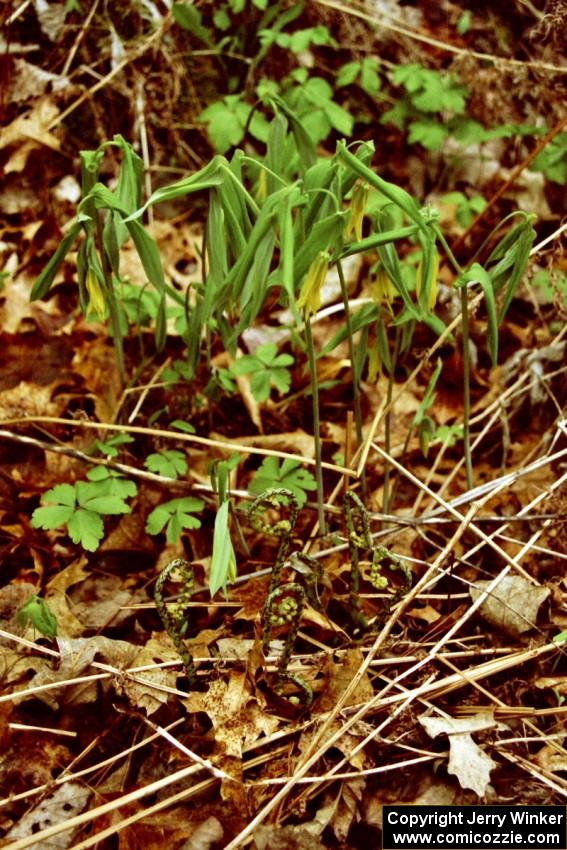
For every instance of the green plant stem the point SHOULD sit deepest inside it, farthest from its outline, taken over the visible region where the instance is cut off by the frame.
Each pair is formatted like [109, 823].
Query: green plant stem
[466, 363]
[388, 423]
[316, 425]
[111, 301]
[466, 387]
[450, 256]
[355, 377]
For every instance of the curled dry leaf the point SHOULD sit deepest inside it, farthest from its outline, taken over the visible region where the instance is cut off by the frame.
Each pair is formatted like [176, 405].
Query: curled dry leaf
[512, 606]
[467, 761]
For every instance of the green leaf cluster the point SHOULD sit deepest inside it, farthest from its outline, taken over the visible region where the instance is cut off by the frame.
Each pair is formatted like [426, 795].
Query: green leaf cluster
[80, 507]
[288, 474]
[267, 368]
[170, 463]
[174, 516]
[364, 72]
[552, 160]
[430, 91]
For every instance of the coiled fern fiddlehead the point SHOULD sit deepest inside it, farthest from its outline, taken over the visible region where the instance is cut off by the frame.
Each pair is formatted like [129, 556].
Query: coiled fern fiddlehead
[357, 523]
[175, 617]
[285, 601]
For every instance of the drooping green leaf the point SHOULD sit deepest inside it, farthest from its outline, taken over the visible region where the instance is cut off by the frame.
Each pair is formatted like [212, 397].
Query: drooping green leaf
[37, 612]
[44, 281]
[223, 559]
[477, 273]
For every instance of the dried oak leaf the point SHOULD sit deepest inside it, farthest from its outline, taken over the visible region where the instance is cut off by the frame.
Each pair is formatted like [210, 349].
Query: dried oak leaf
[512, 606]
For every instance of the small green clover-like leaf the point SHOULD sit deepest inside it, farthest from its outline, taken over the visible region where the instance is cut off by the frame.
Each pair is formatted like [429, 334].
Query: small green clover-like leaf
[99, 498]
[80, 507]
[347, 74]
[267, 368]
[61, 501]
[37, 612]
[226, 121]
[180, 371]
[552, 160]
[61, 494]
[289, 475]
[170, 463]
[51, 516]
[115, 484]
[174, 516]
[429, 133]
[87, 528]
[369, 78]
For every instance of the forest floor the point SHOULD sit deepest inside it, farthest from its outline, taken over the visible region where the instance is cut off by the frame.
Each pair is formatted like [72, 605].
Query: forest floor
[427, 662]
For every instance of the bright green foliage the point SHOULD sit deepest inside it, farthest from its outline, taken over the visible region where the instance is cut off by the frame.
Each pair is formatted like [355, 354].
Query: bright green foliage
[80, 507]
[466, 209]
[174, 516]
[552, 160]
[140, 304]
[37, 612]
[170, 463]
[226, 121]
[112, 482]
[221, 380]
[110, 447]
[427, 93]
[448, 434]
[223, 559]
[189, 18]
[552, 284]
[106, 219]
[186, 427]
[423, 423]
[178, 371]
[298, 40]
[429, 90]
[464, 23]
[267, 368]
[289, 475]
[428, 133]
[311, 98]
[364, 72]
